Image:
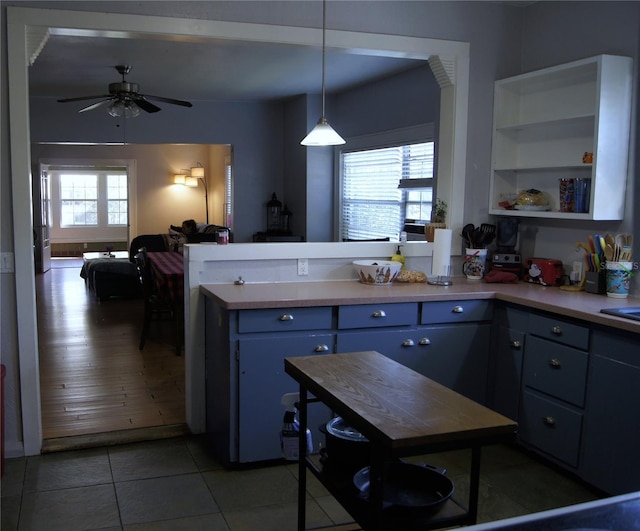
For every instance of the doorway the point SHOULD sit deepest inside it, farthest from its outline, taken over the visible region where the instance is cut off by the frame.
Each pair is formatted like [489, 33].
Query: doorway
[454, 111]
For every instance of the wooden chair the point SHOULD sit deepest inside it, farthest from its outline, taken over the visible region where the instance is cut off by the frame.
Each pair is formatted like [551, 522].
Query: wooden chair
[156, 307]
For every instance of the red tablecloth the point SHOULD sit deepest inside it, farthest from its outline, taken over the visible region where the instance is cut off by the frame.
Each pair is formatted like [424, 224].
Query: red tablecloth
[168, 273]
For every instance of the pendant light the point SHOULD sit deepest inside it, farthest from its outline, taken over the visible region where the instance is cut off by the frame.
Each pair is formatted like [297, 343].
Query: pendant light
[323, 134]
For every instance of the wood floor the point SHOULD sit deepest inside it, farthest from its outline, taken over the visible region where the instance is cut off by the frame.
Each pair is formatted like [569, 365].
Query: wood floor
[93, 377]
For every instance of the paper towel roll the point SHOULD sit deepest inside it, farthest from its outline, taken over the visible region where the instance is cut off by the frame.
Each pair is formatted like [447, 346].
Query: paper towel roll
[441, 258]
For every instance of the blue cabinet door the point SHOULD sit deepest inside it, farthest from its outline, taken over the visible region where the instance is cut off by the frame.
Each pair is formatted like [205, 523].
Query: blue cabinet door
[454, 355]
[611, 437]
[506, 368]
[261, 384]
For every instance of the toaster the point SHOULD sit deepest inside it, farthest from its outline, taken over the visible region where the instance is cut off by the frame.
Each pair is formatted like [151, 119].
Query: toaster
[543, 271]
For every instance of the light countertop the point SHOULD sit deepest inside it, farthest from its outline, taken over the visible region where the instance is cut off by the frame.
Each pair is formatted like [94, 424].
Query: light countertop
[578, 305]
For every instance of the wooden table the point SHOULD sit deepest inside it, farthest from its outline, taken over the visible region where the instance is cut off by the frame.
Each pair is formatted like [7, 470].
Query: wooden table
[402, 413]
[118, 255]
[167, 270]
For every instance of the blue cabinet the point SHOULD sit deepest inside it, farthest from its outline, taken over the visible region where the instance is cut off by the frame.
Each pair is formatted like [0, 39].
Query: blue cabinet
[507, 351]
[261, 384]
[455, 355]
[554, 379]
[611, 438]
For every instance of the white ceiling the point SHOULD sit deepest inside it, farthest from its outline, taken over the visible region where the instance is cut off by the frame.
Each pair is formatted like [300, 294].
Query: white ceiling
[73, 66]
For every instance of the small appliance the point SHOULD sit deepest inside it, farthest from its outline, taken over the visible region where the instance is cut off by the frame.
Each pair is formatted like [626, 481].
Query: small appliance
[543, 271]
[506, 257]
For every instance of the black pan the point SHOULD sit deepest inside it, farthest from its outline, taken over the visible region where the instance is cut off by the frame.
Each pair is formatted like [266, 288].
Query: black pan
[409, 486]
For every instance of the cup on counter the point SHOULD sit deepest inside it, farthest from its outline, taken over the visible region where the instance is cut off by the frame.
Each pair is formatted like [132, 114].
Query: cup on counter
[567, 190]
[474, 263]
[618, 277]
[582, 194]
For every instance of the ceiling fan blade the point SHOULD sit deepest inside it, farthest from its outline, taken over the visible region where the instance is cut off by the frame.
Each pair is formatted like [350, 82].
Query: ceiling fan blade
[67, 100]
[146, 105]
[96, 105]
[167, 100]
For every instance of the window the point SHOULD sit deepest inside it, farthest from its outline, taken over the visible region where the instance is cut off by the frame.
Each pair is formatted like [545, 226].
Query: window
[78, 200]
[373, 205]
[92, 197]
[117, 200]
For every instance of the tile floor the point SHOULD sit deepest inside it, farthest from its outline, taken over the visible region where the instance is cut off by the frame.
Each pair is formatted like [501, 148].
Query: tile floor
[176, 484]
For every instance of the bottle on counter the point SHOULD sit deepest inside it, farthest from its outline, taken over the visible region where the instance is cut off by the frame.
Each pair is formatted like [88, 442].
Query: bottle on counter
[399, 257]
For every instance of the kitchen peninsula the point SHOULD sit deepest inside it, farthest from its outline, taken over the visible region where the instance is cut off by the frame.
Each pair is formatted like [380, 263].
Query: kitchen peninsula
[557, 371]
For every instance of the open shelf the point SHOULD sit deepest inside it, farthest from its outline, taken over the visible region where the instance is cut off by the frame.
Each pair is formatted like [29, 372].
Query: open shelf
[545, 121]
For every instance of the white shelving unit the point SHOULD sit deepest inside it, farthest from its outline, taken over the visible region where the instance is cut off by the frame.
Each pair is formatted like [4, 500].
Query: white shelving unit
[545, 121]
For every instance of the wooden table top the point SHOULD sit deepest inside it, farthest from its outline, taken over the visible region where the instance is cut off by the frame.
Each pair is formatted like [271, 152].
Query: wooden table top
[393, 404]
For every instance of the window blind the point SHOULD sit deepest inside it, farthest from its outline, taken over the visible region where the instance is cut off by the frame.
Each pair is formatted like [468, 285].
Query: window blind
[372, 204]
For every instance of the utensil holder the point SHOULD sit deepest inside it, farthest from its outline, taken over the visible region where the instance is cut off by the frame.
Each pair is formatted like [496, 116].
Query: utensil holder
[595, 282]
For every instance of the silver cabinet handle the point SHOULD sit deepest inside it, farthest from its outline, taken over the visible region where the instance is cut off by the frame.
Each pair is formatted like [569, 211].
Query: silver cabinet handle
[555, 363]
[321, 348]
[286, 317]
[408, 343]
[425, 341]
[556, 330]
[549, 421]
[378, 313]
[457, 309]
[515, 344]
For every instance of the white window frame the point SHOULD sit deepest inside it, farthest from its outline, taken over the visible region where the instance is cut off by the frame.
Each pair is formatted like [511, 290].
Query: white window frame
[397, 137]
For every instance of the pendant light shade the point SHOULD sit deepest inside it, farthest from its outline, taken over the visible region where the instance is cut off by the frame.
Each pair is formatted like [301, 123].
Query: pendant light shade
[323, 134]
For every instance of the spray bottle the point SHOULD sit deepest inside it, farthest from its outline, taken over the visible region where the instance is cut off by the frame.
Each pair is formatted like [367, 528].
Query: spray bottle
[290, 431]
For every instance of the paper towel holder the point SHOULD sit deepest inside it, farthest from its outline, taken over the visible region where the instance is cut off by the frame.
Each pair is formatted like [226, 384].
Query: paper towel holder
[441, 258]
[440, 280]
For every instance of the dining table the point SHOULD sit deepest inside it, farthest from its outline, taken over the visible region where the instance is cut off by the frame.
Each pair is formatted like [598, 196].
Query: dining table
[167, 272]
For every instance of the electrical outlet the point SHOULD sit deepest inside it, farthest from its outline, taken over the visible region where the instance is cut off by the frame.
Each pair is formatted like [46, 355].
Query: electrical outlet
[303, 267]
[6, 263]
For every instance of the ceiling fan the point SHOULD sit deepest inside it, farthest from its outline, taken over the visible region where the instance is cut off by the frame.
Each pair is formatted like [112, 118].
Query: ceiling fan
[124, 98]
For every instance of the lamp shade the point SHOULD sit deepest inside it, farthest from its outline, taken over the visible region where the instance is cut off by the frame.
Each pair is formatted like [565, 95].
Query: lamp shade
[197, 172]
[323, 135]
[191, 181]
[179, 179]
[123, 108]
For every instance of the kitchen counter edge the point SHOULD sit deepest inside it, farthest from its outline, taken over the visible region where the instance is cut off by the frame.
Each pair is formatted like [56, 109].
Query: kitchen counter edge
[575, 304]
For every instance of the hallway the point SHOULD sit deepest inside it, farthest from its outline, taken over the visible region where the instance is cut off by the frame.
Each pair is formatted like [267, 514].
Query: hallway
[94, 380]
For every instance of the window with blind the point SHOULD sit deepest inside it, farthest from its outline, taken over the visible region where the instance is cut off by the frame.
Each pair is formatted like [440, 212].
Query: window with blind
[373, 204]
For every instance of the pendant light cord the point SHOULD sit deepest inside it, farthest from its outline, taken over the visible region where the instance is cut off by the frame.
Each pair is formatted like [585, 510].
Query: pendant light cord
[324, 30]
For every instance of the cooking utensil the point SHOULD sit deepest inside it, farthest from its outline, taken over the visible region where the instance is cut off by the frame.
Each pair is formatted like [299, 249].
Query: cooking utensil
[409, 486]
[467, 234]
[608, 252]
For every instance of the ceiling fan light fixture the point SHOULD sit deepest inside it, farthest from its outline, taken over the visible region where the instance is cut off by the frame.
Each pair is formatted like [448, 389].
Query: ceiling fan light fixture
[323, 134]
[123, 109]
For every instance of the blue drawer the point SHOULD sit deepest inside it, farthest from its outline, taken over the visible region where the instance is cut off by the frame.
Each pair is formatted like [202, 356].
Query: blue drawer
[375, 315]
[559, 330]
[551, 427]
[556, 369]
[284, 319]
[456, 311]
